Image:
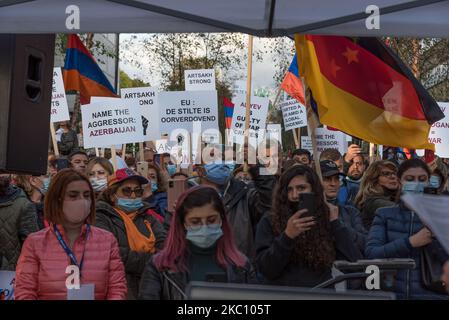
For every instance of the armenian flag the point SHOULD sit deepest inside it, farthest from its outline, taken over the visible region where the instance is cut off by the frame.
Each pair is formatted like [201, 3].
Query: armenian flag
[362, 88]
[229, 110]
[82, 73]
[292, 83]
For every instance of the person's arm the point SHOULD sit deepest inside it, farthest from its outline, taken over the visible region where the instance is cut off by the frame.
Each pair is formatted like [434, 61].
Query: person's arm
[134, 261]
[159, 232]
[377, 246]
[357, 230]
[344, 242]
[150, 283]
[27, 221]
[272, 253]
[117, 286]
[261, 197]
[26, 283]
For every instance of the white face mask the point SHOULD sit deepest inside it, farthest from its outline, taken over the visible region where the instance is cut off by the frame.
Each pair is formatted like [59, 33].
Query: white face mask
[76, 211]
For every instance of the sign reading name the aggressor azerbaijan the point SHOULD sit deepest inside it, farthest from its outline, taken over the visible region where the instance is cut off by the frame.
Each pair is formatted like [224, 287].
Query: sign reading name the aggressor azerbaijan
[111, 122]
[329, 139]
[146, 99]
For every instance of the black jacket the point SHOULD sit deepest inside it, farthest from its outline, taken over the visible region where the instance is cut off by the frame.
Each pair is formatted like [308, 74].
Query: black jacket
[165, 285]
[107, 218]
[274, 252]
[236, 200]
[370, 206]
[350, 217]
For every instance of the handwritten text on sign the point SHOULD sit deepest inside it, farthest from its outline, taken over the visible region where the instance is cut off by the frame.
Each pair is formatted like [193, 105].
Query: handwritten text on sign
[257, 122]
[439, 132]
[295, 115]
[111, 122]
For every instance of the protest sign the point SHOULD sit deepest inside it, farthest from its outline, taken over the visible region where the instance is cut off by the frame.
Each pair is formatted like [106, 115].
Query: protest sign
[199, 80]
[274, 131]
[239, 88]
[59, 107]
[111, 122]
[439, 132]
[180, 109]
[7, 279]
[258, 117]
[329, 139]
[162, 146]
[306, 143]
[294, 113]
[146, 99]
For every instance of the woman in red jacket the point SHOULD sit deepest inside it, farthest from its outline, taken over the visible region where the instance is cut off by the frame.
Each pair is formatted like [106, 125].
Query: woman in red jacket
[49, 261]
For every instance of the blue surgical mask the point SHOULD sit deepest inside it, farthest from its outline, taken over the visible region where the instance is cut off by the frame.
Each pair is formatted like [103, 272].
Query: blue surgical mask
[171, 168]
[231, 165]
[204, 236]
[434, 182]
[129, 205]
[154, 186]
[98, 184]
[413, 187]
[46, 184]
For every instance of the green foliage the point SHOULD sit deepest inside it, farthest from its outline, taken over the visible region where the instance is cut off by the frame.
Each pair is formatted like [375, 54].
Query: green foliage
[127, 82]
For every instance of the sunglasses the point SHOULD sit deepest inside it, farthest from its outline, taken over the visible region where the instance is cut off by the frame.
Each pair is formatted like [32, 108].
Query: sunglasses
[128, 192]
[388, 174]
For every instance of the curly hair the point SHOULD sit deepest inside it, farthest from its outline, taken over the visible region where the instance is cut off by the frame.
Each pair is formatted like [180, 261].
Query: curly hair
[315, 248]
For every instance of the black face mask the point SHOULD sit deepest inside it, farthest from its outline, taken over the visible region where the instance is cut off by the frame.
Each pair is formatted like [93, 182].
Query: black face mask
[4, 184]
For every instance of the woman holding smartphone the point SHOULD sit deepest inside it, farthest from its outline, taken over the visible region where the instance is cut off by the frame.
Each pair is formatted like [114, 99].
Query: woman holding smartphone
[299, 240]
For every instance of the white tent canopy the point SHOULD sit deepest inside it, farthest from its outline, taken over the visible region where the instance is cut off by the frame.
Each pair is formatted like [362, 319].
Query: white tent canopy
[418, 18]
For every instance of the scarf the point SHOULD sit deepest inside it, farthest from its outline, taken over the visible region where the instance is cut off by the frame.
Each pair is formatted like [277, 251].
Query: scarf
[136, 240]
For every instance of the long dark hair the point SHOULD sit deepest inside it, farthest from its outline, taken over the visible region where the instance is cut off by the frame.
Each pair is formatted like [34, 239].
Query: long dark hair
[314, 248]
[175, 253]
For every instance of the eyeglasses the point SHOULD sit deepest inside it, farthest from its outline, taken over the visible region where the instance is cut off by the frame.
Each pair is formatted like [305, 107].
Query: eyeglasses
[128, 192]
[388, 174]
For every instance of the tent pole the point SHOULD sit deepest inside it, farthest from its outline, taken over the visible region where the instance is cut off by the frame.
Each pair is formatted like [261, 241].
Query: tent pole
[248, 99]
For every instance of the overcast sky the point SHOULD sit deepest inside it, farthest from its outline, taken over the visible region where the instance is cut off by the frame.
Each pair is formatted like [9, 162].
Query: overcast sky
[263, 71]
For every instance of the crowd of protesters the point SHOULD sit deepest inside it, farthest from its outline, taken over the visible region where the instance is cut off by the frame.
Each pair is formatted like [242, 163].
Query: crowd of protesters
[119, 229]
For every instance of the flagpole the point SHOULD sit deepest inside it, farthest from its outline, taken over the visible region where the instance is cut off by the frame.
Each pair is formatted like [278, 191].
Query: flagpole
[312, 125]
[248, 99]
[53, 139]
[114, 158]
[371, 152]
[295, 137]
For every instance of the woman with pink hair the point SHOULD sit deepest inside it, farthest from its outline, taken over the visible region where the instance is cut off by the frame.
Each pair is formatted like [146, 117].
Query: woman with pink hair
[199, 244]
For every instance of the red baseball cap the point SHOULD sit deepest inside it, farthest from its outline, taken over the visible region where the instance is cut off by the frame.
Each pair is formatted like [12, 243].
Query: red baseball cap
[125, 174]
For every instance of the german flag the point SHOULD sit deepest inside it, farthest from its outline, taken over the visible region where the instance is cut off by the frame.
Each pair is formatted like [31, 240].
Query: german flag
[82, 73]
[362, 88]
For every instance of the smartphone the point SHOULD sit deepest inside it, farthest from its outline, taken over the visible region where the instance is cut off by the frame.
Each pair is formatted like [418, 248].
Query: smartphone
[142, 168]
[175, 188]
[307, 201]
